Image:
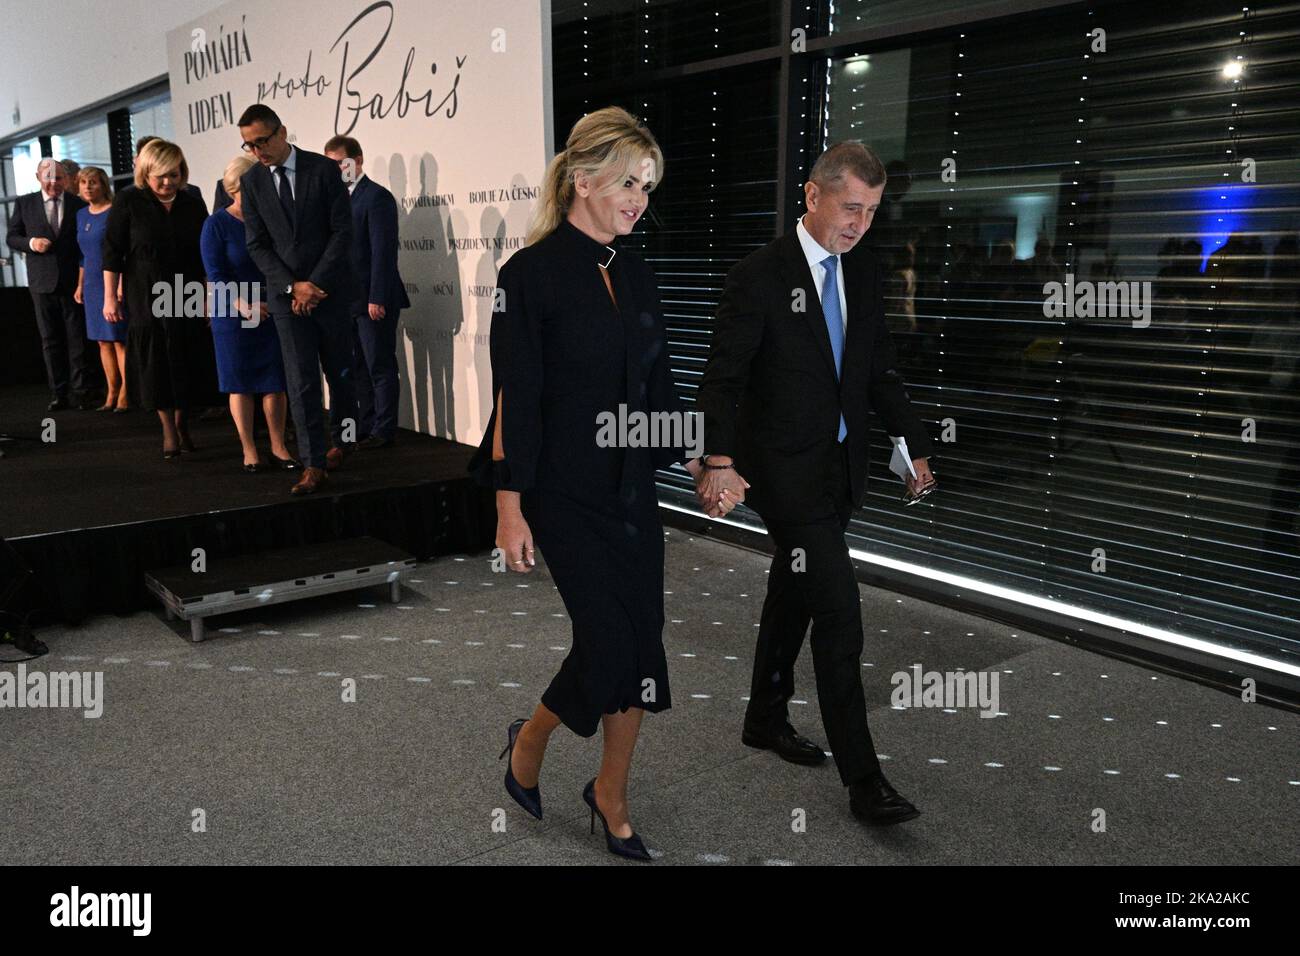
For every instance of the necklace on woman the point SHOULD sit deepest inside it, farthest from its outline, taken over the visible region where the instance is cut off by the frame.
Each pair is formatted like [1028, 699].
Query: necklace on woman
[167, 202]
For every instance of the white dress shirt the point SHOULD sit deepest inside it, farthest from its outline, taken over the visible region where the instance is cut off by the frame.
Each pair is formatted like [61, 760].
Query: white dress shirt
[814, 253]
[45, 208]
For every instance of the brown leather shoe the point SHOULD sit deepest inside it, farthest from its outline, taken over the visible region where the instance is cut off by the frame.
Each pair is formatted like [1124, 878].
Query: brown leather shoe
[312, 479]
[335, 456]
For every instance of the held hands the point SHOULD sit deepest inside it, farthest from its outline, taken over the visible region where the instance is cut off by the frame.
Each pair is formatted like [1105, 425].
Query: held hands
[377, 312]
[514, 537]
[306, 296]
[718, 490]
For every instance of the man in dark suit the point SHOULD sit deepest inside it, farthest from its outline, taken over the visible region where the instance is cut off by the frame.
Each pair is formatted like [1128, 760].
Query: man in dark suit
[298, 222]
[800, 356]
[43, 225]
[378, 298]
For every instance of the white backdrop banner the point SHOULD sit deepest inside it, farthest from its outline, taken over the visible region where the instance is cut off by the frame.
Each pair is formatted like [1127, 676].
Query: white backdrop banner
[450, 101]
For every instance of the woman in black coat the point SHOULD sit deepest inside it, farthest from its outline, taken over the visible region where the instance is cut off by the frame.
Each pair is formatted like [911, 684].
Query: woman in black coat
[153, 237]
[578, 332]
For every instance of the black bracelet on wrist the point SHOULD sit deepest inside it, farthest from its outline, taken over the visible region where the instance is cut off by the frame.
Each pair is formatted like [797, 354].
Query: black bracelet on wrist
[704, 462]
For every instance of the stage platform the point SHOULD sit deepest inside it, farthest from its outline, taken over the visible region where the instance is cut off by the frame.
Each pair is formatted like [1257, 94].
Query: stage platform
[94, 509]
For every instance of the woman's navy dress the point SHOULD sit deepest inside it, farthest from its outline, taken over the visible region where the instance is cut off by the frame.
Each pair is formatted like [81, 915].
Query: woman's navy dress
[90, 237]
[248, 359]
[562, 354]
[169, 361]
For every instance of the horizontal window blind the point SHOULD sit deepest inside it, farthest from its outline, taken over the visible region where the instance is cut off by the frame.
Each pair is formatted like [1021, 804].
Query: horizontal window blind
[716, 201]
[604, 40]
[1140, 458]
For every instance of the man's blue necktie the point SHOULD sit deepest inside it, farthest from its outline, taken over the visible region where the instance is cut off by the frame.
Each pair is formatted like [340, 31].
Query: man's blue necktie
[834, 323]
[286, 193]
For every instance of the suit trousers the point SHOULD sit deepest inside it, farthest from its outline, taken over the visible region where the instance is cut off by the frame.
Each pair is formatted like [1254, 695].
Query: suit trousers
[812, 579]
[63, 342]
[375, 373]
[310, 343]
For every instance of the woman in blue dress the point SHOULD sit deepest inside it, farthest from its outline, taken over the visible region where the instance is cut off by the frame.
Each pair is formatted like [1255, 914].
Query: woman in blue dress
[248, 349]
[93, 186]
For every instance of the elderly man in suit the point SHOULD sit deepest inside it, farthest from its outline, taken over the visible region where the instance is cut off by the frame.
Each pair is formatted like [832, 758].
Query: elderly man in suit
[800, 356]
[379, 295]
[43, 225]
[298, 222]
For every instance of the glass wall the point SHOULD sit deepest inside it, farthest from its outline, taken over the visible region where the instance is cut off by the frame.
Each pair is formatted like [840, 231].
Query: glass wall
[1144, 459]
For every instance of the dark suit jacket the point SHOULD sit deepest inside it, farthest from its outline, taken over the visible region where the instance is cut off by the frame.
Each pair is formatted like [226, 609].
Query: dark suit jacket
[316, 247]
[54, 270]
[769, 395]
[374, 248]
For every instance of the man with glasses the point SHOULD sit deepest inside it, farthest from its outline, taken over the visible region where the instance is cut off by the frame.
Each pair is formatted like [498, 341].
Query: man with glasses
[298, 223]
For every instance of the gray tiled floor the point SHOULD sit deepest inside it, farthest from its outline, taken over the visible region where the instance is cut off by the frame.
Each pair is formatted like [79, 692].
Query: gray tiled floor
[250, 727]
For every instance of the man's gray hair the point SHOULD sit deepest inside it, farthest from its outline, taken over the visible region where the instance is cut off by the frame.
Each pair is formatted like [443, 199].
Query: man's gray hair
[46, 161]
[848, 157]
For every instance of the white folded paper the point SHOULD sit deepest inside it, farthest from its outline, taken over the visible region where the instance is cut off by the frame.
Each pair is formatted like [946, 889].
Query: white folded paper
[900, 463]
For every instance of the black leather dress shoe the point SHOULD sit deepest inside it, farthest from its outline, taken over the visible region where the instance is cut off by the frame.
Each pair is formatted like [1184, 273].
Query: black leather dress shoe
[875, 801]
[375, 441]
[57, 405]
[787, 744]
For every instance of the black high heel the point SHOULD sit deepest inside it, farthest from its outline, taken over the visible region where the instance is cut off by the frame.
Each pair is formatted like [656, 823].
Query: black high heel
[630, 847]
[530, 798]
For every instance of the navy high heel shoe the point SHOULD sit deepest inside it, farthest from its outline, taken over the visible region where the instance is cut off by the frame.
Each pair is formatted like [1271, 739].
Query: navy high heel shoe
[630, 847]
[530, 798]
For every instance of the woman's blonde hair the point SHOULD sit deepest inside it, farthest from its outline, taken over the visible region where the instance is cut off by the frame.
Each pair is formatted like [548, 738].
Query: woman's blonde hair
[158, 156]
[235, 170]
[605, 145]
[94, 172]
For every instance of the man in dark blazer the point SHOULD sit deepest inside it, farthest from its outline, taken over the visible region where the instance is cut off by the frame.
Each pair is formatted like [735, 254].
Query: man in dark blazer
[378, 298]
[298, 222]
[43, 225]
[800, 356]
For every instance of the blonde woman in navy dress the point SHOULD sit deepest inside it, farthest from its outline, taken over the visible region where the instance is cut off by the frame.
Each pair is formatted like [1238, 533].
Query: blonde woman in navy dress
[249, 362]
[578, 333]
[93, 186]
